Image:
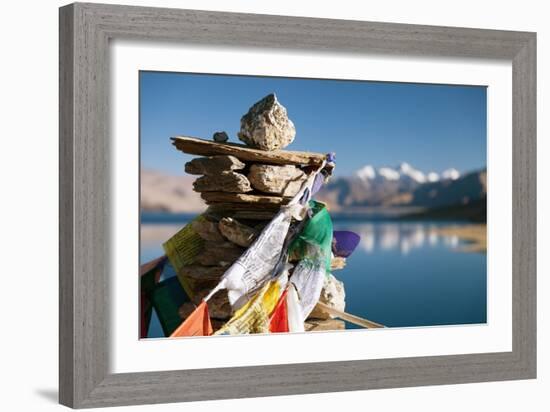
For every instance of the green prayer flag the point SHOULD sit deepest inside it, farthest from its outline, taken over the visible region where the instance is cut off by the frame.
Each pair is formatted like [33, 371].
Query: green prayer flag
[315, 240]
[167, 298]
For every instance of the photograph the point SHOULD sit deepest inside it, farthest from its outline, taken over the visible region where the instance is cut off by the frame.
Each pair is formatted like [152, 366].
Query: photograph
[287, 205]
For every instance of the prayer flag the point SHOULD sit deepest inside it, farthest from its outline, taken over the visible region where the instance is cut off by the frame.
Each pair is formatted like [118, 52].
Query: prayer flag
[313, 249]
[197, 324]
[150, 274]
[308, 278]
[253, 317]
[344, 242]
[167, 298]
[315, 240]
[294, 311]
[182, 249]
[257, 263]
[279, 318]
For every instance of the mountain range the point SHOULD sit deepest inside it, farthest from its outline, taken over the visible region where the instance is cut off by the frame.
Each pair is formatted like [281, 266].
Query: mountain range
[398, 189]
[403, 186]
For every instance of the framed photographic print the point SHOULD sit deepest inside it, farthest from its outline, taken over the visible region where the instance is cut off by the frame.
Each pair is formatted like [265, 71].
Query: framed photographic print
[257, 205]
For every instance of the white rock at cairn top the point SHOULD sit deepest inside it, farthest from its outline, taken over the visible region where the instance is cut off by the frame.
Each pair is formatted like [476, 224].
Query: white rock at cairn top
[266, 126]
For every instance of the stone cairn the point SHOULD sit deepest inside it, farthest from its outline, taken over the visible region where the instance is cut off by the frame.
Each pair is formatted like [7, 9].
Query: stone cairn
[244, 186]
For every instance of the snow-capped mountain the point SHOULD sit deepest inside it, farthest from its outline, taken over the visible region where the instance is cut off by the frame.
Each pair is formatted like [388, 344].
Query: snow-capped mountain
[403, 185]
[451, 174]
[404, 172]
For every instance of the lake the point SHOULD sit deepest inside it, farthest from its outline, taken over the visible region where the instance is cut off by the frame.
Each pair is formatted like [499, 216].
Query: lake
[402, 274]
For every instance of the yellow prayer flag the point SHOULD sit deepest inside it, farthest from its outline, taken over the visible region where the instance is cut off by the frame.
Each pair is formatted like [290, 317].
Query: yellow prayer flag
[182, 249]
[253, 317]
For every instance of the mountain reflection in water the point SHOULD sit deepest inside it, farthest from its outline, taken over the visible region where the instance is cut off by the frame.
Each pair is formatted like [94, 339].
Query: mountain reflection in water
[400, 236]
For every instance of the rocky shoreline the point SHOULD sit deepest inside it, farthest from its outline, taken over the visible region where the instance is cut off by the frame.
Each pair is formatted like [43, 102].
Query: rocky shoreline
[475, 235]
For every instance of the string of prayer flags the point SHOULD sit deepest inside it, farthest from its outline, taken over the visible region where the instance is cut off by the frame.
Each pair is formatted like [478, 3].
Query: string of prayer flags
[196, 324]
[256, 265]
[259, 262]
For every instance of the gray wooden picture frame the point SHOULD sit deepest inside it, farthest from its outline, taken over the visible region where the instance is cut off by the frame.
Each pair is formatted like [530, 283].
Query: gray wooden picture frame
[85, 32]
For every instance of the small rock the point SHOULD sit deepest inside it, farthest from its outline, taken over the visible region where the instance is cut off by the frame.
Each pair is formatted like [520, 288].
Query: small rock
[266, 126]
[218, 254]
[217, 324]
[260, 226]
[254, 214]
[201, 277]
[213, 165]
[220, 137]
[218, 305]
[219, 210]
[259, 199]
[219, 308]
[224, 182]
[186, 309]
[281, 180]
[202, 273]
[229, 208]
[333, 295]
[337, 263]
[236, 232]
[207, 230]
[316, 325]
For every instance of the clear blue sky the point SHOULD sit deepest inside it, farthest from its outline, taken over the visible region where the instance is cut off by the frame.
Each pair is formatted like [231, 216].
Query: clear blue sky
[432, 127]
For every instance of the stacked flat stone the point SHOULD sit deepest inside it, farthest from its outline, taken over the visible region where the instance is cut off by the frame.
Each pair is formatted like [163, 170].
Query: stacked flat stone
[244, 186]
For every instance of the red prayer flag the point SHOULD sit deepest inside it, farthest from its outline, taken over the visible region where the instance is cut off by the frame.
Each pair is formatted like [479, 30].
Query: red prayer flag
[279, 318]
[197, 324]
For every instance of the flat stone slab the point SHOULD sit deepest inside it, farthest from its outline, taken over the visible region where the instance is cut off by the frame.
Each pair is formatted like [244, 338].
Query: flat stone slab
[233, 207]
[224, 197]
[221, 210]
[236, 232]
[316, 325]
[219, 253]
[202, 273]
[207, 230]
[224, 182]
[200, 277]
[202, 147]
[213, 165]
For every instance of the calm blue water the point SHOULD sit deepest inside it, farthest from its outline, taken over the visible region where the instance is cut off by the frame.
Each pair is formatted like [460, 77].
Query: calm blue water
[401, 274]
